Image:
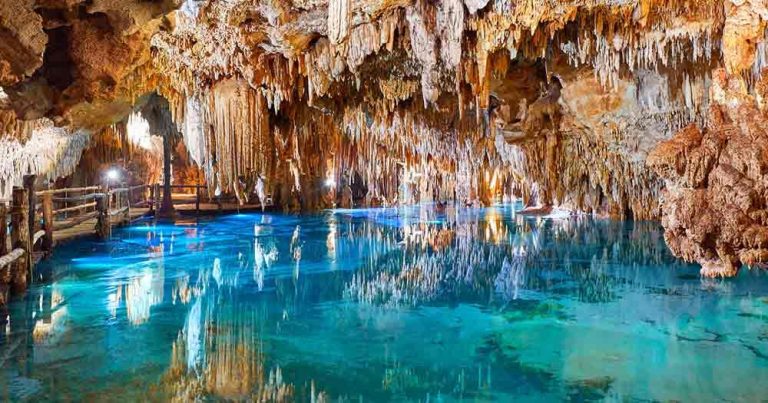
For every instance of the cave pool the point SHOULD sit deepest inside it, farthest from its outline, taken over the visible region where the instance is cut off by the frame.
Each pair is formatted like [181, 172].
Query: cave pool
[399, 304]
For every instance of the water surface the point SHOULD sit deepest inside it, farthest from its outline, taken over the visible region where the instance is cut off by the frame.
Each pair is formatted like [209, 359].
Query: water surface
[407, 304]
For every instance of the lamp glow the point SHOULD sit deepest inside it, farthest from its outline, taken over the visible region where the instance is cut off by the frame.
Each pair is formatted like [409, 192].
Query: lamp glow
[330, 182]
[113, 174]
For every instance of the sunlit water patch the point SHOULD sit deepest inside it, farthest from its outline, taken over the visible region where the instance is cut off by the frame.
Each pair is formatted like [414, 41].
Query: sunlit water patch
[387, 304]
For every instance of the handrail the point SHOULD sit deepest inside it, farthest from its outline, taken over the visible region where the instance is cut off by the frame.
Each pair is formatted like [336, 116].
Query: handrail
[65, 190]
[89, 196]
[11, 257]
[74, 208]
[128, 188]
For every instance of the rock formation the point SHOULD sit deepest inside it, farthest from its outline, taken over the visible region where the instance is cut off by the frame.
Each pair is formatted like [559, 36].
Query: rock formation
[715, 210]
[640, 109]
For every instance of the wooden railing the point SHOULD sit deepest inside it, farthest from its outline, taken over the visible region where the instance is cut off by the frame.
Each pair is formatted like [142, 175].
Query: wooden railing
[196, 194]
[32, 218]
[16, 259]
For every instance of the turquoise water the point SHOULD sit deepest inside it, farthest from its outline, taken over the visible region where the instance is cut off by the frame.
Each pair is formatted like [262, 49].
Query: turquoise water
[385, 305]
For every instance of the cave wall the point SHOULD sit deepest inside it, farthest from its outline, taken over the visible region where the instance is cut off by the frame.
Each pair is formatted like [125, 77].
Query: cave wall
[584, 104]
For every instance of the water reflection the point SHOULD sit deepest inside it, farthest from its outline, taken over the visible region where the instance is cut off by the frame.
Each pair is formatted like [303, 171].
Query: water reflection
[386, 304]
[219, 354]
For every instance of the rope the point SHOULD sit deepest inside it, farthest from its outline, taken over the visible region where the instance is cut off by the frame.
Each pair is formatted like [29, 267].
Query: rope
[39, 234]
[118, 211]
[11, 257]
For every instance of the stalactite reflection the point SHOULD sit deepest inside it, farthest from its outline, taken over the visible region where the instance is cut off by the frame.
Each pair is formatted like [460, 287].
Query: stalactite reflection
[223, 308]
[218, 355]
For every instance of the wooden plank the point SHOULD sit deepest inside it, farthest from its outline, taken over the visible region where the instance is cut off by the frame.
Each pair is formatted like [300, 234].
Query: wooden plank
[87, 227]
[57, 226]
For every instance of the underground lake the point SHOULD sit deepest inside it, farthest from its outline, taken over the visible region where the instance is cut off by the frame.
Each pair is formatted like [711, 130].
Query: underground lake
[422, 303]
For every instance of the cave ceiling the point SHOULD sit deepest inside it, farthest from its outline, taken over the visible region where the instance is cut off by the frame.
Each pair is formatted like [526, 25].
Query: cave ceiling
[586, 104]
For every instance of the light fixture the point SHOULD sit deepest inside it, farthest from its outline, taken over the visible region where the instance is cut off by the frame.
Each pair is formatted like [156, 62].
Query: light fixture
[330, 182]
[113, 174]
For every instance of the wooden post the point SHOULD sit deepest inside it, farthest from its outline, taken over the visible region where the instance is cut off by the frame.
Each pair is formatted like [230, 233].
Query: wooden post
[128, 205]
[3, 230]
[21, 269]
[103, 223]
[29, 185]
[48, 222]
[155, 198]
[197, 200]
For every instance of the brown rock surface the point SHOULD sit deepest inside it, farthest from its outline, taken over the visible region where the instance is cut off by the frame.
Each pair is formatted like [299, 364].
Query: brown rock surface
[22, 41]
[714, 209]
[397, 101]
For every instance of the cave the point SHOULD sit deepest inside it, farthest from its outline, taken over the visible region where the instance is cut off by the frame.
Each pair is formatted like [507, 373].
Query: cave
[406, 200]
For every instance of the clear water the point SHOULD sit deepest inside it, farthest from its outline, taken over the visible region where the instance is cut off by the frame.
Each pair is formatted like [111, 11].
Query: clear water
[385, 305]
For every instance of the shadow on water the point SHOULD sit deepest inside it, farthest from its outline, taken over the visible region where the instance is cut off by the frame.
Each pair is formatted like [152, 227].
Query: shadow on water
[384, 304]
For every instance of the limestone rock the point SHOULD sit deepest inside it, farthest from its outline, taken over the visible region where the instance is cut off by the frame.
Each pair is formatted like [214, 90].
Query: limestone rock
[715, 202]
[595, 105]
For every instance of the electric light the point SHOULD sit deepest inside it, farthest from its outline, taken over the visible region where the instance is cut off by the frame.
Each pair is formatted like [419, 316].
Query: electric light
[330, 182]
[113, 174]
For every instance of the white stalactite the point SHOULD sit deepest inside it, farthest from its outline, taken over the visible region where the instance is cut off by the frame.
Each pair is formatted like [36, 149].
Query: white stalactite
[338, 20]
[51, 152]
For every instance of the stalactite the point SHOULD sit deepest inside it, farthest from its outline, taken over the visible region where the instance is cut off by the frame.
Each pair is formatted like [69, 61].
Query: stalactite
[423, 48]
[50, 152]
[316, 103]
[238, 143]
[338, 20]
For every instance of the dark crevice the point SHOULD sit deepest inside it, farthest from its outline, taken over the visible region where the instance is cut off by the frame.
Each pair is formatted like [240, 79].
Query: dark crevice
[57, 63]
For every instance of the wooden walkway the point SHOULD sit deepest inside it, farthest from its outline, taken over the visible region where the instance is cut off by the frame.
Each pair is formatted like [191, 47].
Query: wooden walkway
[184, 210]
[40, 219]
[86, 227]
